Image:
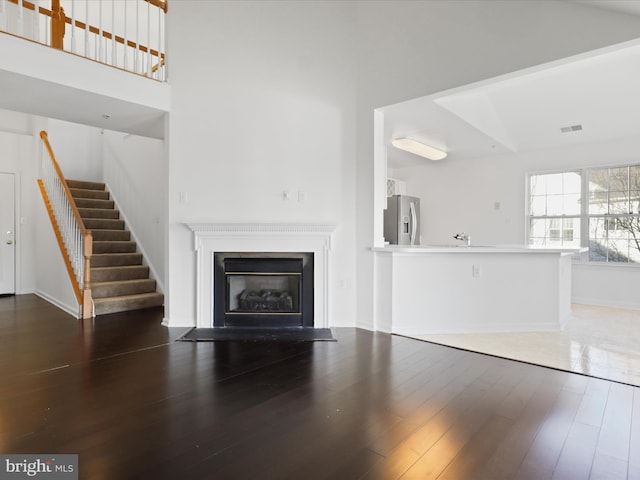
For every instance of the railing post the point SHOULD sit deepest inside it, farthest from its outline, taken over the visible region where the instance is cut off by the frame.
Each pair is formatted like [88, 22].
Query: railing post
[87, 301]
[57, 25]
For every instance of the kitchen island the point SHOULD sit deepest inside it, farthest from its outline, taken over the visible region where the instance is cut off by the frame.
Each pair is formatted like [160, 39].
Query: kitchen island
[471, 289]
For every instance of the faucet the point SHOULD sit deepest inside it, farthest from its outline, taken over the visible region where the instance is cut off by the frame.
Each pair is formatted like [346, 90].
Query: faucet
[463, 237]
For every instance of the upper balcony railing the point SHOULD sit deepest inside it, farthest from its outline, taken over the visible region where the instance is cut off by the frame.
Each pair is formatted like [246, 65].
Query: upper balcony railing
[127, 34]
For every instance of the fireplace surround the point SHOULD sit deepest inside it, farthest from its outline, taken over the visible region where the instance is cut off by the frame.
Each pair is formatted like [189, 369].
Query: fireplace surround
[252, 238]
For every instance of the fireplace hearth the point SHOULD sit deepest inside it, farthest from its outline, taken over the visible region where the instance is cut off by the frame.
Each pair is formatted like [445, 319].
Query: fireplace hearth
[263, 289]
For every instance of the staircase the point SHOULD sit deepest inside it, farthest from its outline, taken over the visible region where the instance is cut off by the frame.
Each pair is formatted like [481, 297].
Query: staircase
[119, 281]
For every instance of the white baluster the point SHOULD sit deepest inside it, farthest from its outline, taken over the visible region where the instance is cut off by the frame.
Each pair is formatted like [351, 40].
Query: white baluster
[21, 18]
[35, 21]
[136, 53]
[3, 15]
[126, 45]
[113, 33]
[73, 26]
[86, 28]
[149, 39]
[96, 45]
[160, 13]
[47, 30]
[100, 52]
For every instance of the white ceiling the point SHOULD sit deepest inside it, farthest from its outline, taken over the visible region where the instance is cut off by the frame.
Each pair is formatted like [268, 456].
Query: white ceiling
[525, 110]
[631, 7]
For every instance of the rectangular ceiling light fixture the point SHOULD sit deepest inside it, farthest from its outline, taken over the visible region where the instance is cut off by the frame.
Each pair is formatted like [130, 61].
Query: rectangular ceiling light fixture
[418, 148]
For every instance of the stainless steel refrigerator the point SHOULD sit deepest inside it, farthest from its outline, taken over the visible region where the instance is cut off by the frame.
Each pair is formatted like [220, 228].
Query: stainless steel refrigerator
[402, 220]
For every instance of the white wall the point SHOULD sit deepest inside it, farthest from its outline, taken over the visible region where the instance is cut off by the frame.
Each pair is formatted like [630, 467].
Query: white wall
[461, 195]
[78, 149]
[135, 172]
[263, 101]
[39, 264]
[410, 49]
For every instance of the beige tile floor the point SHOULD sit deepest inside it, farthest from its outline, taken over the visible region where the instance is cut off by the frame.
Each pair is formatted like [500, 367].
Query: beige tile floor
[597, 341]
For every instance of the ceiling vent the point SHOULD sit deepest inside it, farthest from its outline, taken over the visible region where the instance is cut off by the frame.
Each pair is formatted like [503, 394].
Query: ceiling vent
[572, 128]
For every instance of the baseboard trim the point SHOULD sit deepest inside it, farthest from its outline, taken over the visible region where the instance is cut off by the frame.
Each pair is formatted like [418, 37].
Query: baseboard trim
[167, 322]
[605, 303]
[71, 310]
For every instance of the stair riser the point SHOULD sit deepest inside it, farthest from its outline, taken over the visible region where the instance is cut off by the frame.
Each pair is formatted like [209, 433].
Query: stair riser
[115, 259]
[113, 306]
[94, 203]
[125, 288]
[114, 247]
[87, 213]
[81, 193]
[84, 185]
[119, 273]
[104, 224]
[111, 235]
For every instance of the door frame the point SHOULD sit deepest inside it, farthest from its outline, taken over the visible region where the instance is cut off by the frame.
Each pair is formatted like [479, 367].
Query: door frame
[16, 252]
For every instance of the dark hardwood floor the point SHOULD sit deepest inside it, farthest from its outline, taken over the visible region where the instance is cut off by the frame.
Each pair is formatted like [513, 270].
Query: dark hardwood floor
[135, 404]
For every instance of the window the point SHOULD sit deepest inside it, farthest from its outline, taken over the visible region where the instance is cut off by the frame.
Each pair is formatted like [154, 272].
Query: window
[598, 208]
[614, 228]
[554, 209]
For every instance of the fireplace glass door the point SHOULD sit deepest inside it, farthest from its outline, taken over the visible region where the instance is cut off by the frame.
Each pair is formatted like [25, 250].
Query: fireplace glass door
[263, 293]
[254, 290]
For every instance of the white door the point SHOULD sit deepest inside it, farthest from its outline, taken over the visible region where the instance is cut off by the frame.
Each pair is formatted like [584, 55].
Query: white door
[7, 234]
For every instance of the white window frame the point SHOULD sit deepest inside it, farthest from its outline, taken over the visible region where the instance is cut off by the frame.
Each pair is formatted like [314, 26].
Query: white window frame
[584, 215]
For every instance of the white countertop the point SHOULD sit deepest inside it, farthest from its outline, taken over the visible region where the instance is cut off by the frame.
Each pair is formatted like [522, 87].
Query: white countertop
[474, 249]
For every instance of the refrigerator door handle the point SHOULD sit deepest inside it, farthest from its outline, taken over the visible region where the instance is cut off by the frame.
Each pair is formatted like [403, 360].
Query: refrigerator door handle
[414, 223]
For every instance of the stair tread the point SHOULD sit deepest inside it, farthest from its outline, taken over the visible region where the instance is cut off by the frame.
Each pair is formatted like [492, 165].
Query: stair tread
[94, 203]
[118, 266]
[98, 213]
[117, 242]
[89, 193]
[135, 295]
[120, 282]
[85, 184]
[118, 288]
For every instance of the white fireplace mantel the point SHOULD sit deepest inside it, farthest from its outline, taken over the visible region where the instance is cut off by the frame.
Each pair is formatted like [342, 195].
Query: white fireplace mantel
[211, 238]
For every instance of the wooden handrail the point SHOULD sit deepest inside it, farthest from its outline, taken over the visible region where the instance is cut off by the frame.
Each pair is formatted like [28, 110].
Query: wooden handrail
[84, 296]
[67, 192]
[108, 35]
[161, 4]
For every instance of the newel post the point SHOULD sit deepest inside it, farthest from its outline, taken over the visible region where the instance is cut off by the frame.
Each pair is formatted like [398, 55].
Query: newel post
[57, 25]
[87, 301]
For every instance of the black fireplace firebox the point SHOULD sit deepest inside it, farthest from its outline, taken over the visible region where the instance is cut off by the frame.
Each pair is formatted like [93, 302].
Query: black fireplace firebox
[263, 289]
